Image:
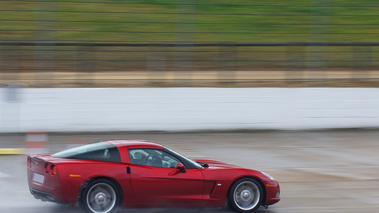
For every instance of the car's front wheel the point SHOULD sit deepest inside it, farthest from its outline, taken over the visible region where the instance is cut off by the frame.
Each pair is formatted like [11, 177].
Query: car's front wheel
[246, 195]
[101, 196]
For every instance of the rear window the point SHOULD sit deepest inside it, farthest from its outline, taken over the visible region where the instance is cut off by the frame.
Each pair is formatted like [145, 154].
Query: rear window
[97, 151]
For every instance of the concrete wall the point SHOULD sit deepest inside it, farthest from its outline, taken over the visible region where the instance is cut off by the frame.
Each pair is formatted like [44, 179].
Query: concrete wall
[176, 109]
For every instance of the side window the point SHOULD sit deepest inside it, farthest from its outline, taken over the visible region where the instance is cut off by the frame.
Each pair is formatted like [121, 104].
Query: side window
[152, 157]
[98, 151]
[138, 156]
[106, 154]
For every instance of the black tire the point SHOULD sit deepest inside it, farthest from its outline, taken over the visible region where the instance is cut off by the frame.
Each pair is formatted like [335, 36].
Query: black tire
[245, 195]
[101, 196]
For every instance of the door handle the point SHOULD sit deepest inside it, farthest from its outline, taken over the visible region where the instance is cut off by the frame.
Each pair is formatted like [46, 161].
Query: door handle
[128, 170]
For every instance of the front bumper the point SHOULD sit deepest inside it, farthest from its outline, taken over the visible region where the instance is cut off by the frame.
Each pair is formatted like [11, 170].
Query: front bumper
[272, 192]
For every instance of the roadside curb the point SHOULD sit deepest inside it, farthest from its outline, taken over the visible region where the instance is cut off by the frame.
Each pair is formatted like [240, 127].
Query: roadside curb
[12, 151]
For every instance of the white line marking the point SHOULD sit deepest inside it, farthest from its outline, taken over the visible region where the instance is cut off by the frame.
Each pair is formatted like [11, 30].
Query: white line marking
[4, 175]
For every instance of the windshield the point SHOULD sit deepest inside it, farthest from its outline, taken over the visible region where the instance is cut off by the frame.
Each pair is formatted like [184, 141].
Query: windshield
[97, 151]
[193, 163]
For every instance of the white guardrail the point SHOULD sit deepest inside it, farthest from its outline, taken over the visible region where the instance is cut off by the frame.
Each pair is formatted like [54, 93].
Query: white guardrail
[182, 109]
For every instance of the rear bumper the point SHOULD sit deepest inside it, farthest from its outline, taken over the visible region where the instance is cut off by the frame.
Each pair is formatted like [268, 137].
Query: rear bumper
[49, 190]
[44, 196]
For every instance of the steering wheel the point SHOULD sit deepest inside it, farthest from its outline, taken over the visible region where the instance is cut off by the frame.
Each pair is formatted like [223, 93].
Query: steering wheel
[148, 162]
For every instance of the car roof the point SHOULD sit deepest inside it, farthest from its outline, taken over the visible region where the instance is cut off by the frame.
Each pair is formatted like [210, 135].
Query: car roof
[134, 143]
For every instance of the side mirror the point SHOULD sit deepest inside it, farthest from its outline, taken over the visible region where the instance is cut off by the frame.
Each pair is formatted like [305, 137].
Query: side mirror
[181, 168]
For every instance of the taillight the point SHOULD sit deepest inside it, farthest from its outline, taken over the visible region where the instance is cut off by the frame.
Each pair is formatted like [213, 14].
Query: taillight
[29, 162]
[54, 170]
[47, 168]
[50, 169]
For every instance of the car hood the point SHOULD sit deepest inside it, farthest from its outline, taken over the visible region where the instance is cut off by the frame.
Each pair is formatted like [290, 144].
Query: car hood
[216, 164]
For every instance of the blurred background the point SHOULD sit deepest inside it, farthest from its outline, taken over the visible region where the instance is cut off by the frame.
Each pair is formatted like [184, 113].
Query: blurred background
[76, 72]
[217, 43]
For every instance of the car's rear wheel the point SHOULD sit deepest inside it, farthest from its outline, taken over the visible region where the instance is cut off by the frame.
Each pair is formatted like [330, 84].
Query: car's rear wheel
[246, 195]
[101, 196]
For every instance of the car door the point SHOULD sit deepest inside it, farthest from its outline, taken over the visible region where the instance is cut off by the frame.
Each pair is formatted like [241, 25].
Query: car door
[156, 180]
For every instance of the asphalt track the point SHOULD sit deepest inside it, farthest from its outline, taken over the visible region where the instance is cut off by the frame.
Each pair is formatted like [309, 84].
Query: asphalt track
[319, 171]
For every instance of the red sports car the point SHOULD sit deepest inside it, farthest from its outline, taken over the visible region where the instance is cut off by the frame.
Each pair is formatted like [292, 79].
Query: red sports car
[133, 173]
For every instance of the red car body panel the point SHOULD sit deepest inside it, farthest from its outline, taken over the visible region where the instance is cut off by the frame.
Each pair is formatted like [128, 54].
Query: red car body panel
[154, 186]
[226, 174]
[144, 186]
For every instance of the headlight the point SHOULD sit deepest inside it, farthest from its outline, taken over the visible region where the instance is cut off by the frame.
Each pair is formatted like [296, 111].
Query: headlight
[267, 175]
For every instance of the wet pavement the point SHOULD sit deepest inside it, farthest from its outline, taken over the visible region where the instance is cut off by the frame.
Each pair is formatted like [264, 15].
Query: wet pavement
[319, 171]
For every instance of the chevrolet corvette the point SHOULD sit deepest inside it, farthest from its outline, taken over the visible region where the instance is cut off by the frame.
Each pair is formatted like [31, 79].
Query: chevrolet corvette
[104, 176]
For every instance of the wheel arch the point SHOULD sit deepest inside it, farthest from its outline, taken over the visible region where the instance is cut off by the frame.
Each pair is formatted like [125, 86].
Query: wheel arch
[252, 177]
[84, 186]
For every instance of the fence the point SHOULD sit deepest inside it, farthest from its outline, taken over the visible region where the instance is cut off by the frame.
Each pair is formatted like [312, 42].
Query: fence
[154, 64]
[94, 43]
